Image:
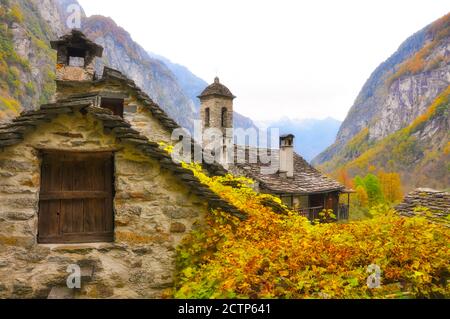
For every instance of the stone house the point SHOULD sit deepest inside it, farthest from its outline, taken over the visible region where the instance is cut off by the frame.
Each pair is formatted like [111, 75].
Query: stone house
[296, 182]
[83, 181]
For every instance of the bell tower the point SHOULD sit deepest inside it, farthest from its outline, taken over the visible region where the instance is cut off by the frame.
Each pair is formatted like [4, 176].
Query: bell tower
[216, 113]
[75, 57]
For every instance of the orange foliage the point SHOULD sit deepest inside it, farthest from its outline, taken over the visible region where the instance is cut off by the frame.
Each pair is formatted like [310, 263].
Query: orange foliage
[413, 65]
[344, 178]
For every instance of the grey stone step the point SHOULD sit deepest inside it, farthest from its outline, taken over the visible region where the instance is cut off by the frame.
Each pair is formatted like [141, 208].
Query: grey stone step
[87, 273]
[61, 293]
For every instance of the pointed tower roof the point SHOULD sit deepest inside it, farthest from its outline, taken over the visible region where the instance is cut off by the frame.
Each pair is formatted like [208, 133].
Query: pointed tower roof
[217, 89]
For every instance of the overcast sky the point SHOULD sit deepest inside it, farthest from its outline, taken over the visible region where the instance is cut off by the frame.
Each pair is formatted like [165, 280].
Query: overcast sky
[301, 59]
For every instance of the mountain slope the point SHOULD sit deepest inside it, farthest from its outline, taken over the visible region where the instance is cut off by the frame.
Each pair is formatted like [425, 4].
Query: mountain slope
[193, 86]
[27, 62]
[381, 129]
[122, 53]
[26, 78]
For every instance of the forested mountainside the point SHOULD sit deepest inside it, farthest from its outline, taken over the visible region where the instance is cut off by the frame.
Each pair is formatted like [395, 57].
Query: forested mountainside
[27, 62]
[400, 120]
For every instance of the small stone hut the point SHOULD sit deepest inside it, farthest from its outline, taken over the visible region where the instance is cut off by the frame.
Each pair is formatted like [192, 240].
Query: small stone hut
[433, 204]
[84, 182]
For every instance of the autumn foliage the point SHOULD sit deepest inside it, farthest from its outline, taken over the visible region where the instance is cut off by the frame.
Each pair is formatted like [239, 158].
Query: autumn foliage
[391, 186]
[420, 61]
[405, 152]
[272, 255]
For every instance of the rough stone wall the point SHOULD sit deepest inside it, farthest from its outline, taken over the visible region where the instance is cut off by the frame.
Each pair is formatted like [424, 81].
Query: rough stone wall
[433, 204]
[143, 121]
[153, 212]
[72, 73]
[134, 111]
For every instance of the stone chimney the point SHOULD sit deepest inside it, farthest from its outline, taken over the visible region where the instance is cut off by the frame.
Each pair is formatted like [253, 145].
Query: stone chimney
[75, 57]
[287, 155]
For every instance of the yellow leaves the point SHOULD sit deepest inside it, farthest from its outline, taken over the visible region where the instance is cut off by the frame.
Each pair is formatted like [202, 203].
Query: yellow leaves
[16, 13]
[270, 255]
[228, 284]
[354, 282]
[284, 273]
[10, 104]
[362, 197]
[166, 147]
[327, 259]
[188, 272]
[391, 186]
[447, 149]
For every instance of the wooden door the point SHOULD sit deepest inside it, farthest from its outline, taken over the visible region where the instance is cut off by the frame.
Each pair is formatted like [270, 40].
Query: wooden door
[332, 202]
[76, 199]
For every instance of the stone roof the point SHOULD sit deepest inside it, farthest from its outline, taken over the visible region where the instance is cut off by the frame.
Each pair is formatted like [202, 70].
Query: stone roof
[77, 39]
[306, 180]
[437, 203]
[15, 132]
[216, 89]
[114, 75]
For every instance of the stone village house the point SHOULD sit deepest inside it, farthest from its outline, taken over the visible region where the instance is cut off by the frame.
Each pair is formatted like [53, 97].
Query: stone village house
[297, 183]
[83, 181]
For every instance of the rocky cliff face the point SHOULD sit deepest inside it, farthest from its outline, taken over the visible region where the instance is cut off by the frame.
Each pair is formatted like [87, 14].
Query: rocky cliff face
[410, 97]
[26, 61]
[401, 92]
